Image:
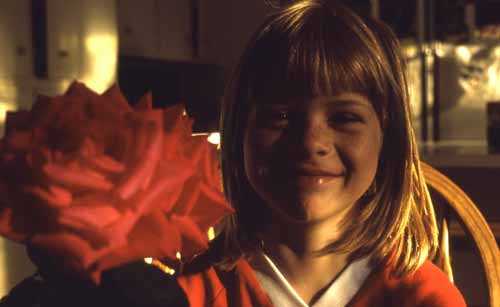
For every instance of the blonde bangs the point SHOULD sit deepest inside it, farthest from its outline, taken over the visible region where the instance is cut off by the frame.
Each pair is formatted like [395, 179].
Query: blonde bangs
[308, 52]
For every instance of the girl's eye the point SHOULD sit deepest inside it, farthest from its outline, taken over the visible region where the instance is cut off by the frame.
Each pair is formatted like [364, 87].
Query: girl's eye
[274, 119]
[344, 118]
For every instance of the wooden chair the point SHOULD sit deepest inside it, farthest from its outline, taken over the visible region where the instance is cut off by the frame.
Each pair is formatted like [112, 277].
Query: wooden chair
[474, 225]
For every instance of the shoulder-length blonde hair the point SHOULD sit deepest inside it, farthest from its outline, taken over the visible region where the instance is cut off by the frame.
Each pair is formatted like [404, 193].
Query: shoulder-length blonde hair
[316, 47]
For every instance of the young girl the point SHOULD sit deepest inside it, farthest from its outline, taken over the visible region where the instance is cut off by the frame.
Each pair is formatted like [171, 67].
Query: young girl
[320, 164]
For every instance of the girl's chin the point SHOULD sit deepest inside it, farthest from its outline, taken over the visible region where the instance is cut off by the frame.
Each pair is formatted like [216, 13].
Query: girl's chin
[308, 213]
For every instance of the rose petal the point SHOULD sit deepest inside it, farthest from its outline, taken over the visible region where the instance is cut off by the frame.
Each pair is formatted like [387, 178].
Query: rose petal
[17, 120]
[75, 179]
[44, 112]
[19, 141]
[152, 236]
[145, 103]
[166, 201]
[6, 226]
[211, 207]
[188, 198]
[105, 163]
[115, 96]
[89, 148]
[143, 170]
[72, 250]
[142, 138]
[78, 90]
[175, 120]
[55, 196]
[38, 157]
[194, 239]
[117, 232]
[93, 215]
[163, 187]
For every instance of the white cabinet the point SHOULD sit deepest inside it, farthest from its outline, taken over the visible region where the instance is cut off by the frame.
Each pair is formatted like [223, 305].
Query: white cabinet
[156, 28]
[175, 28]
[82, 44]
[64, 38]
[138, 27]
[15, 39]
[16, 54]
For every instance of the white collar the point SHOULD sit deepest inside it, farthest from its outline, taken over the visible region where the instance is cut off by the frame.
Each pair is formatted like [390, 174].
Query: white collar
[339, 293]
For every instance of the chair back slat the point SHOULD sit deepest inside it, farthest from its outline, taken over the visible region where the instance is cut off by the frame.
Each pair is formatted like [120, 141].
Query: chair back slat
[475, 225]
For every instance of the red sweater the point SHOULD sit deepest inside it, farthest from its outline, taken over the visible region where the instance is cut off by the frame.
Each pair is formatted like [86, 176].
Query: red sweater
[427, 287]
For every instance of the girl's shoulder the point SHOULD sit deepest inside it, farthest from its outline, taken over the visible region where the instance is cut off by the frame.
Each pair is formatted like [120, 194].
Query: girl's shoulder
[432, 287]
[428, 286]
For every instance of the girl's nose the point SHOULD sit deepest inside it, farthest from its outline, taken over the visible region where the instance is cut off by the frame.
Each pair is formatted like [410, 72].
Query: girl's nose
[318, 140]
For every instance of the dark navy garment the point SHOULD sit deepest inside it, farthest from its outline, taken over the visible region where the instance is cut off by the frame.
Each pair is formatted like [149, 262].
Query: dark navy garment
[132, 285]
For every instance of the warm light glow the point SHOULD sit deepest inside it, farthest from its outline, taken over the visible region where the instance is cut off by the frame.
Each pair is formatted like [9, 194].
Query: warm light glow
[463, 53]
[214, 138]
[439, 49]
[4, 107]
[410, 51]
[160, 265]
[178, 255]
[101, 65]
[494, 82]
[4, 281]
[8, 97]
[8, 89]
[211, 233]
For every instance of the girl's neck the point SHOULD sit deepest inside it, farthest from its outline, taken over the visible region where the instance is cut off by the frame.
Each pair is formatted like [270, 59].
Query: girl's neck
[293, 248]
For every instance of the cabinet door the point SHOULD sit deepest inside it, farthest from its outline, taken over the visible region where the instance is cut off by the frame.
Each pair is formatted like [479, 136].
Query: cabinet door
[138, 27]
[176, 33]
[64, 38]
[15, 39]
[225, 26]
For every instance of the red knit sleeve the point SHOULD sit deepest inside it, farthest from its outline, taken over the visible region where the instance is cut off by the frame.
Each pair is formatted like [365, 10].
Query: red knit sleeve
[432, 288]
[213, 288]
[426, 287]
[203, 289]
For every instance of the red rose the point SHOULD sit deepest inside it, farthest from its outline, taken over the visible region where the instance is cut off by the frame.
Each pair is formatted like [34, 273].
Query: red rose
[97, 184]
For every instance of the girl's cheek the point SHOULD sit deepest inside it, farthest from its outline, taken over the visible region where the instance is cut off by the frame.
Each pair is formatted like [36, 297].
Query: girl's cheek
[264, 139]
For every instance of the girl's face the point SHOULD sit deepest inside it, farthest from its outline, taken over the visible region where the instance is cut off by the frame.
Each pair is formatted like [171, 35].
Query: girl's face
[311, 160]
